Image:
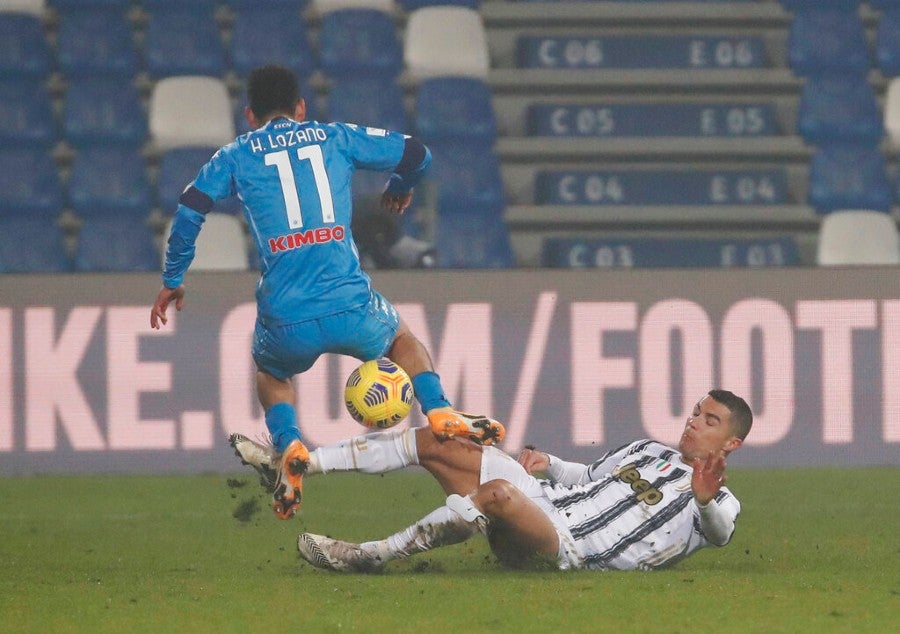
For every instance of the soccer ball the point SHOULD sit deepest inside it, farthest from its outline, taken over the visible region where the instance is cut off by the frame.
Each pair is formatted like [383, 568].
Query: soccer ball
[378, 394]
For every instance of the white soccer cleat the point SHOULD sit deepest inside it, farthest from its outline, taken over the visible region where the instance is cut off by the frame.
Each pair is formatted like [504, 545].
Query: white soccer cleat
[263, 458]
[333, 554]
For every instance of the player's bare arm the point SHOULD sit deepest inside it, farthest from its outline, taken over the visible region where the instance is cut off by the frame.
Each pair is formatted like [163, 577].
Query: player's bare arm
[708, 476]
[165, 297]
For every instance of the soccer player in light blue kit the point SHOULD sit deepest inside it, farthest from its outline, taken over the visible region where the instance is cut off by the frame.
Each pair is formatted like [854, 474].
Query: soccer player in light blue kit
[293, 178]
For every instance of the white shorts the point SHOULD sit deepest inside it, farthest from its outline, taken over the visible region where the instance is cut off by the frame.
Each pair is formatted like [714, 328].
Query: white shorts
[497, 465]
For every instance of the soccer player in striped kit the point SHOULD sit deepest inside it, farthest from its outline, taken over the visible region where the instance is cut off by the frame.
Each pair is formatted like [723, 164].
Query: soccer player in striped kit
[293, 179]
[642, 506]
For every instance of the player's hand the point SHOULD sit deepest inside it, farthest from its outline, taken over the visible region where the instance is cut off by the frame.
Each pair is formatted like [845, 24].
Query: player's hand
[163, 299]
[533, 460]
[708, 476]
[395, 203]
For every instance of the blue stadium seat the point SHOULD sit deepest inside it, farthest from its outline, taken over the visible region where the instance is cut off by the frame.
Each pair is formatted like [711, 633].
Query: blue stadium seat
[361, 43]
[270, 36]
[370, 102]
[412, 5]
[64, 6]
[472, 239]
[839, 108]
[109, 181]
[834, 5]
[24, 50]
[285, 5]
[668, 252]
[116, 244]
[455, 109]
[30, 184]
[467, 177]
[725, 186]
[640, 51]
[824, 41]
[178, 167]
[96, 41]
[887, 42]
[26, 114]
[603, 119]
[104, 111]
[183, 41]
[32, 245]
[849, 176]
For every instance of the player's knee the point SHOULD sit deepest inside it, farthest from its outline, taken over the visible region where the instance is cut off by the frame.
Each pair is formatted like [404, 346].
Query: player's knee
[495, 498]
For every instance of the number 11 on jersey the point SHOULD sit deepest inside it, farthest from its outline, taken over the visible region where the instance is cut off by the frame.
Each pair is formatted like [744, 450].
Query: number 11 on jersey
[282, 162]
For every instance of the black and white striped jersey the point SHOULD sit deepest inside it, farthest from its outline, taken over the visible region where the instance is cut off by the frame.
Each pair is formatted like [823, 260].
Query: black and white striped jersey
[633, 508]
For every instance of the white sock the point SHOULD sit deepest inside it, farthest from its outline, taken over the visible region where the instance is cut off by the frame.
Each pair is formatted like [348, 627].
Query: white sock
[442, 527]
[369, 453]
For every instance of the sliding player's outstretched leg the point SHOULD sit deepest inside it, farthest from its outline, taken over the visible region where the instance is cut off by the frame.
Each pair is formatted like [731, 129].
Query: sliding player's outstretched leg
[263, 458]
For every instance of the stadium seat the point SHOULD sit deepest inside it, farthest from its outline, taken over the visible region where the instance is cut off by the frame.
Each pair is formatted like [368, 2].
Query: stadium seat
[472, 238]
[467, 177]
[849, 176]
[411, 5]
[221, 245]
[103, 112]
[183, 41]
[178, 167]
[64, 6]
[24, 50]
[887, 42]
[26, 114]
[285, 5]
[95, 41]
[892, 113]
[839, 108]
[366, 102]
[455, 108]
[30, 7]
[446, 41]
[270, 36]
[116, 243]
[823, 41]
[190, 111]
[109, 181]
[834, 5]
[323, 7]
[359, 43]
[30, 184]
[858, 237]
[609, 119]
[32, 245]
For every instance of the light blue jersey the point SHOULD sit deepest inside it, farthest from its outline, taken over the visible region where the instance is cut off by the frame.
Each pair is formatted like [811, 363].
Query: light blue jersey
[294, 181]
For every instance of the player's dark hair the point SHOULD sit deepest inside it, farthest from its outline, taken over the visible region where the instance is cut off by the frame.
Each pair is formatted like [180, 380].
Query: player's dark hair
[272, 90]
[741, 417]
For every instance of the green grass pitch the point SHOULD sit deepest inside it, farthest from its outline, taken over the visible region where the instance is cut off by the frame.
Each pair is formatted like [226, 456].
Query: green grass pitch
[816, 550]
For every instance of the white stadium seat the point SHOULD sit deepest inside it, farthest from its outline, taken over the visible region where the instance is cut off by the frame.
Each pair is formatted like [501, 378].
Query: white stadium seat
[446, 41]
[190, 110]
[33, 7]
[327, 6]
[221, 245]
[892, 113]
[858, 237]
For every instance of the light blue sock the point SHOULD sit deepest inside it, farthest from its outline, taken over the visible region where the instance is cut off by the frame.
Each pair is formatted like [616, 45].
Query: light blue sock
[429, 391]
[281, 419]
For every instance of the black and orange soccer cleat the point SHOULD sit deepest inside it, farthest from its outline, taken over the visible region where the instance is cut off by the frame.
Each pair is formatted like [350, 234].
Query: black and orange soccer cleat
[447, 422]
